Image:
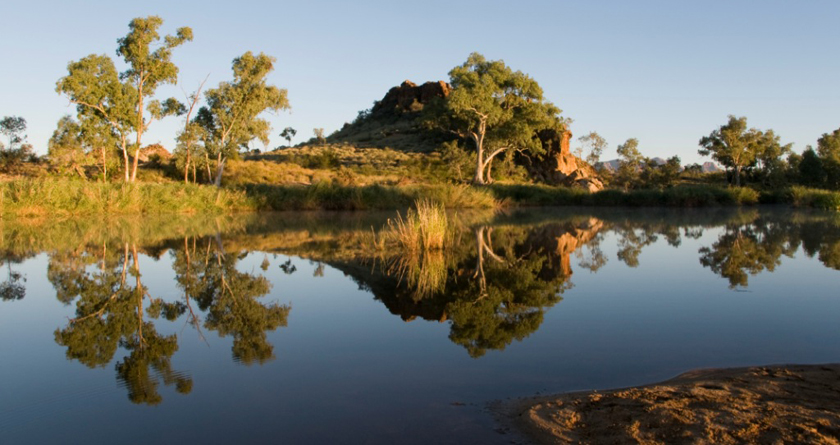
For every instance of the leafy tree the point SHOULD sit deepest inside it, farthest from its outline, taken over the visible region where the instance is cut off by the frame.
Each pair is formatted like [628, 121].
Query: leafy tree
[630, 163]
[811, 171]
[319, 135]
[828, 147]
[595, 145]
[733, 145]
[231, 116]
[287, 134]
[656, 175]
[13, 127]
[770, 155]
[103, 102]
[149, 69]
[125, 101]
[496, 108]
[188, 148]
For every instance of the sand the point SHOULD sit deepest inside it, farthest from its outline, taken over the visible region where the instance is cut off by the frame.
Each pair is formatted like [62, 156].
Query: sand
[771, 404]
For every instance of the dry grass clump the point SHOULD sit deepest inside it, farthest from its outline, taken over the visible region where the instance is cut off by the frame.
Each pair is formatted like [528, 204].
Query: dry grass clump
[423, 229]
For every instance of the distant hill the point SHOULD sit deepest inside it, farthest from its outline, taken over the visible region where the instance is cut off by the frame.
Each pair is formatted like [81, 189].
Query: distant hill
[711, 167]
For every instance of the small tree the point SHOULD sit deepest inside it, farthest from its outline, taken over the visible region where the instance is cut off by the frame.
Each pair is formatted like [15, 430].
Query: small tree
[13, 128]
[595, 145]
[287, 134]
[811, 171]
[630, 163]
[828, 148]
[231, 116]
[495, 108]
[319, 135]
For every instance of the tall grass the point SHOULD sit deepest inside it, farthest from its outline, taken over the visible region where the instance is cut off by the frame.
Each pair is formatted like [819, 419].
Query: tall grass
[821, 199]
[33, 197]
[331, 196]
[424, 229]
[681, 196]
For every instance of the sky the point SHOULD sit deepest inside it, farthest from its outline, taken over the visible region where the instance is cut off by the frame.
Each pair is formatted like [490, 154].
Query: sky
[664, 72]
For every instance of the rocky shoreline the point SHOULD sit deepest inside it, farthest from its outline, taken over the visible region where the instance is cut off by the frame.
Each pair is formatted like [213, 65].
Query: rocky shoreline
[767, 404]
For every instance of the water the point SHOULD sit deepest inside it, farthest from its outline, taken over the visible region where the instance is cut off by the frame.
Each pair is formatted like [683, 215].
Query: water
[298, 329]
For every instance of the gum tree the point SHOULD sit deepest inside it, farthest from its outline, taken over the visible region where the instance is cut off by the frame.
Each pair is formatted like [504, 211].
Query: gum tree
[125, 101]
[149, 69]
[496, 108]
[231, 116]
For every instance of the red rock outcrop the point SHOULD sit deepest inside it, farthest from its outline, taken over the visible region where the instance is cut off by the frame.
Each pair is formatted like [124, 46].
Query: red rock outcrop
[559, 166]
[409, 97]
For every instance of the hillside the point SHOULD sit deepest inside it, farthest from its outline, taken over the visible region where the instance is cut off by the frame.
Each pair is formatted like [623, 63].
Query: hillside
[394, 121]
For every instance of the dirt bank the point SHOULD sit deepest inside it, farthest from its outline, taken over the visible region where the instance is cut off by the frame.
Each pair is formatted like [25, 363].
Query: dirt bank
[772, 404]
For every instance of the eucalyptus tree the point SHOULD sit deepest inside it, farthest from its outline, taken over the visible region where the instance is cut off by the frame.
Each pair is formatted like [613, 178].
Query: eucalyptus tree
[93, 84]
[733, 145]
[149, 69]
[496, 108]
[13, 127]
[231, 116]
[125, 101]
[630, 162]
[595, 144]
[287, 134]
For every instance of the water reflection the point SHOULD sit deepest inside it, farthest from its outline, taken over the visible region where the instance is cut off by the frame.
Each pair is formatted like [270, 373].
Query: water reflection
[492, 286]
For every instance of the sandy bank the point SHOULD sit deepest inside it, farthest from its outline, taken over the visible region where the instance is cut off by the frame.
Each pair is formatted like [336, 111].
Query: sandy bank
[772, 404]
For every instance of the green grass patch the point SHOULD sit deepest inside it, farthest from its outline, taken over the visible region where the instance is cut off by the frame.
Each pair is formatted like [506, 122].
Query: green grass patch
[32, 197]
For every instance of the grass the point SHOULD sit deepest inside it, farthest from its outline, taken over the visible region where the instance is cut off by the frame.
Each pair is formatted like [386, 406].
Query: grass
[680, 196]
[424, 229]
[33, 197]
[332, 196]
[807, 197]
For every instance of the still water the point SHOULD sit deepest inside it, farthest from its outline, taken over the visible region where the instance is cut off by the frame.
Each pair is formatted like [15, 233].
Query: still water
[317, 329]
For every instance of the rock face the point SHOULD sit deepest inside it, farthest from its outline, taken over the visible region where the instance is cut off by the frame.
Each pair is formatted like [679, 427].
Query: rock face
[410, 98]
[154, 151]
[559, 166]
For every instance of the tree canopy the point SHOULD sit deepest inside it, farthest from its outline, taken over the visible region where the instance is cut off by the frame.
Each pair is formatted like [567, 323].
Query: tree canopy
[231, 116]
[496, 108]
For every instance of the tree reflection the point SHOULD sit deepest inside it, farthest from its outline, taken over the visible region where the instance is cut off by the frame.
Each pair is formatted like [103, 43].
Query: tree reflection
[229, 297]
[110, 313]
[748, 249]
[114, 311]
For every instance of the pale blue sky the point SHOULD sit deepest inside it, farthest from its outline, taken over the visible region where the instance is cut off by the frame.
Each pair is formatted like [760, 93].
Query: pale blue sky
[665, 72]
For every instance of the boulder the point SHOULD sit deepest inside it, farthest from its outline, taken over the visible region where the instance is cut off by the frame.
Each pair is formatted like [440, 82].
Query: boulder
[558, 166]
[410, 98]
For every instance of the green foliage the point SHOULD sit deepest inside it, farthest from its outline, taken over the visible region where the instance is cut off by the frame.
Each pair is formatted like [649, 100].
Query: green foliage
[737, 147]
[828, 147]
[595, 145]
[287, 134]
[231, 116]
[496, 108]
[630, 163]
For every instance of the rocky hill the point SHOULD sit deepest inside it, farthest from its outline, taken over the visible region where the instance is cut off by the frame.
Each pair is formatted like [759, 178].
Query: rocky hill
[394, 122]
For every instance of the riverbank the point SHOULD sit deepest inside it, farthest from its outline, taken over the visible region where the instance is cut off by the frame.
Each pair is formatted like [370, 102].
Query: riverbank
[48, 196]
[784, 404]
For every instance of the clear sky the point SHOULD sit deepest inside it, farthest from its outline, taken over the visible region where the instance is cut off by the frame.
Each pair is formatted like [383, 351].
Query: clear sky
[665, 72]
